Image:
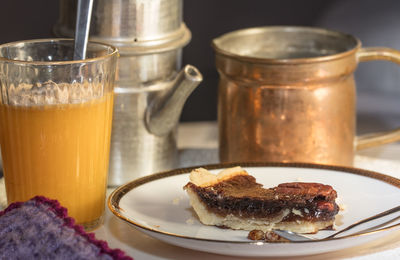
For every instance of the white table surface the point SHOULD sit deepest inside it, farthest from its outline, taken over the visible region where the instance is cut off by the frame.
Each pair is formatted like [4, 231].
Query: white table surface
[203, 150]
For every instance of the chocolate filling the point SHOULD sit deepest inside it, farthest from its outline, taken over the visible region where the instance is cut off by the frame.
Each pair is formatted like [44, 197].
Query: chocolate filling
[243, 197]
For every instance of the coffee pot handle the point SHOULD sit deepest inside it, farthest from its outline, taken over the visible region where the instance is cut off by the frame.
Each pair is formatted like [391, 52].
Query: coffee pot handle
[380, 138]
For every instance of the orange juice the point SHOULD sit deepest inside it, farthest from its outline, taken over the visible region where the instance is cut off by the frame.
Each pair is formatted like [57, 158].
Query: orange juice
[58, 151]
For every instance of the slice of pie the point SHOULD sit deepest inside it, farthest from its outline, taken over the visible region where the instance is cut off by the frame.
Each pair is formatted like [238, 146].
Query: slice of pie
[234, 199]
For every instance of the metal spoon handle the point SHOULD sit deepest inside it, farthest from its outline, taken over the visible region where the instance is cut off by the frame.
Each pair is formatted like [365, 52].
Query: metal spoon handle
[377, 216]
[83, 15]
[292, 236]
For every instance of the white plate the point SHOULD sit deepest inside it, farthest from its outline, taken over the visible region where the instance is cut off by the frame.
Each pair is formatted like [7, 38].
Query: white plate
[158, 206]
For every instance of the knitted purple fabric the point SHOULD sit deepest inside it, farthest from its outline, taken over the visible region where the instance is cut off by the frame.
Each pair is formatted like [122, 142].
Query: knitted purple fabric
[41, 229]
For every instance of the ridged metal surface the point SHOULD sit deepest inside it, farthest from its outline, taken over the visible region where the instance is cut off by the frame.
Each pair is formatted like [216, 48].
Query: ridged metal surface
[150, 36]
[138, 25]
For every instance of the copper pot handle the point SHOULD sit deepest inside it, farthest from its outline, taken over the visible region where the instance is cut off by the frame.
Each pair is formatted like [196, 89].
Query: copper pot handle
[380, 138]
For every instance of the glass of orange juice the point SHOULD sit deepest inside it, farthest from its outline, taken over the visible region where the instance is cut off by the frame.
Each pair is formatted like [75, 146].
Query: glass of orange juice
[55, 124]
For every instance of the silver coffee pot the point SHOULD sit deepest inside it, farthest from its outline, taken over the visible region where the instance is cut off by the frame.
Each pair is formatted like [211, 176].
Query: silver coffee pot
[151, 88]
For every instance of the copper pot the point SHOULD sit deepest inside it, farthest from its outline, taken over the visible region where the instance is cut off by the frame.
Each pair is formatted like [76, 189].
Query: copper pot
[288, 94]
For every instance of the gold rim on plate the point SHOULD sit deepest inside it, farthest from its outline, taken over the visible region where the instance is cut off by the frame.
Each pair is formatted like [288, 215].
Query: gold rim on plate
[118, 193]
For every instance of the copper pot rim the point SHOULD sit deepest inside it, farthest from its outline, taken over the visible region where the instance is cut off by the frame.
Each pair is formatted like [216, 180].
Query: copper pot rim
[252, 59]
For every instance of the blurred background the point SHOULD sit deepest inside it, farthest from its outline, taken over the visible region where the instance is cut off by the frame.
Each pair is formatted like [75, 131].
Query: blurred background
[376, 23]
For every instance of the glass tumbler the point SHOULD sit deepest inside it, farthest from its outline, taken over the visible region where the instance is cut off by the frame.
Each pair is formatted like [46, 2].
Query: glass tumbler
[55, 124]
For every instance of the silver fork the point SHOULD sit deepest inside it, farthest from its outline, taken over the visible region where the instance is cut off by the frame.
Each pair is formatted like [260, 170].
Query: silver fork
[292, 236]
